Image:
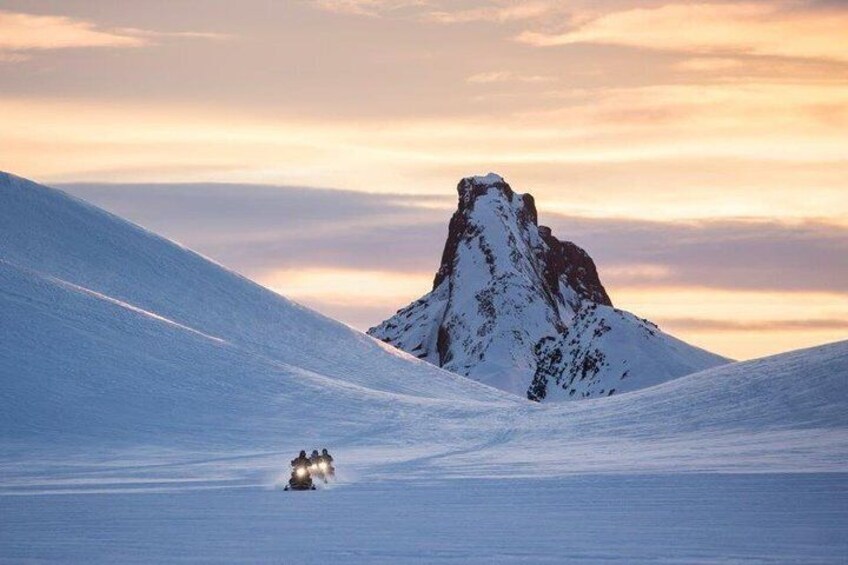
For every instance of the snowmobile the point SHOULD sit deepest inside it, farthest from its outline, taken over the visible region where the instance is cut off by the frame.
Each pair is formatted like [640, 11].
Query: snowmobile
[301, 479]
[322, 468]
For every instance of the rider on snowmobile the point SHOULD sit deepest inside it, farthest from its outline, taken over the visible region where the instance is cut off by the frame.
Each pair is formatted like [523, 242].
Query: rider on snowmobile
[325, 463]
[301, 459]
[301, 479]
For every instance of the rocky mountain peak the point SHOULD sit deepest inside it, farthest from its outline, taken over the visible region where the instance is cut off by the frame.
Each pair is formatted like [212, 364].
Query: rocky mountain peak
[492, 185]
[487, 197]
[517, 308]
[486, 203]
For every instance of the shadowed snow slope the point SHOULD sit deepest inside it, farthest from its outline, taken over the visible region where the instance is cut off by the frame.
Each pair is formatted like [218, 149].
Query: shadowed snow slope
[147, 355]
[111, 332]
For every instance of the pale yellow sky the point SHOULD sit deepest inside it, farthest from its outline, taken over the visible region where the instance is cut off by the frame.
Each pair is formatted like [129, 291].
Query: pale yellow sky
[614, 111]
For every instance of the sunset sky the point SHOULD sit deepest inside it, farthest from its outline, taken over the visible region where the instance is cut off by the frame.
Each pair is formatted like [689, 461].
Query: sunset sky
[697, 150]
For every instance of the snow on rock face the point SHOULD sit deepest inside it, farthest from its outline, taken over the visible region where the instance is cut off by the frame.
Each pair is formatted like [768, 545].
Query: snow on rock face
[516, 308]
[606, 351]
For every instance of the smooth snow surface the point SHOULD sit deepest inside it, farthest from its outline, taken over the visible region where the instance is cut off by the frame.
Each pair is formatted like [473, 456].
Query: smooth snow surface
[588, 519]
[151, 401]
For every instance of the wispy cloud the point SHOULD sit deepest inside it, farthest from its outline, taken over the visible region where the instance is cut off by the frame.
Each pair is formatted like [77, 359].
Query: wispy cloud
[709, 64]
[21, 33]
[442, 11]
[11, 57]
[497, 13]
[35, 32]
[687, 151]
[367, 7]
[733, 254]
[774, 29]
[752, 326]
[507, 76]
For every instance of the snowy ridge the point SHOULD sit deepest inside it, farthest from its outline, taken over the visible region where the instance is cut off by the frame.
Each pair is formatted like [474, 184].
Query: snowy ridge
[516, 308]
[104, 322]
[53, 234]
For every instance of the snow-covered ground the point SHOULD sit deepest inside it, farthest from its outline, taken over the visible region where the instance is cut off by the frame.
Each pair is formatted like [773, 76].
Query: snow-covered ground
[678, 518]
[151, 401]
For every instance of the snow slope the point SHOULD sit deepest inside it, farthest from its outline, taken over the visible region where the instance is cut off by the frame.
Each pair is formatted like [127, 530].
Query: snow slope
[111, 331]
[151, 400]
[516, 308]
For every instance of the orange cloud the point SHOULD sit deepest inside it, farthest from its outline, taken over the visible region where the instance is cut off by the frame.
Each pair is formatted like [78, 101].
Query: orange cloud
[741, 324]
[714, 125]
[445, 12]
[33, 32]
[497, 13]
[506, 76]
[759, 306]
[709, 64]
[756, 326]
[29, 32]
[347, 286]
[373, 8]
[755, 29]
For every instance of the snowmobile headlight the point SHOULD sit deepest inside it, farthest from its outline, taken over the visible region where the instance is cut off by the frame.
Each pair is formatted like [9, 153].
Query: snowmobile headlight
[301, 471]
[322, 465]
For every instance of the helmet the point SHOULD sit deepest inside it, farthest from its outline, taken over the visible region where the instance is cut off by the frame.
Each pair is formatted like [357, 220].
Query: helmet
[303, 453]
[324, 451]
[314, 452]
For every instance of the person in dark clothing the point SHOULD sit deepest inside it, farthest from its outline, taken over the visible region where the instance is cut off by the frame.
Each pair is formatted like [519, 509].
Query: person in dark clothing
[300, 477]
[328, 460]
[314, 457]
[301, 459]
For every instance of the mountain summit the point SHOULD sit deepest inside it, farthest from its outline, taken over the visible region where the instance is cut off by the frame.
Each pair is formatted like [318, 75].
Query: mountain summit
[514, 307]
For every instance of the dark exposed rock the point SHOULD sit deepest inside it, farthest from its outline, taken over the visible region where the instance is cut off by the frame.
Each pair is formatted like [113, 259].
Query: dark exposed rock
[443, 345]
[565, 259]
